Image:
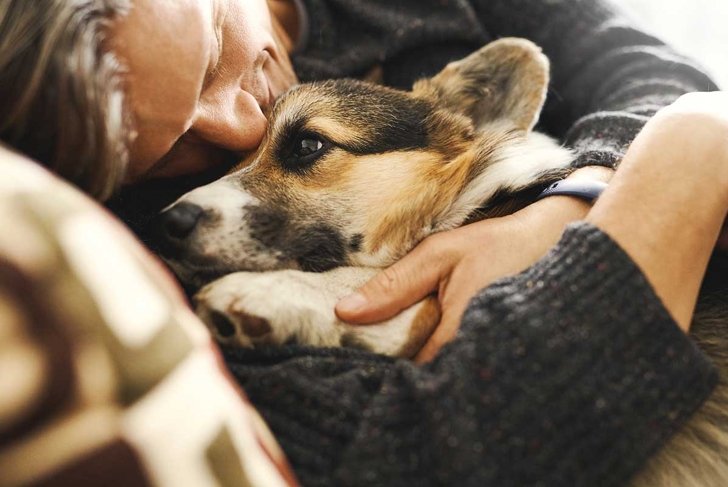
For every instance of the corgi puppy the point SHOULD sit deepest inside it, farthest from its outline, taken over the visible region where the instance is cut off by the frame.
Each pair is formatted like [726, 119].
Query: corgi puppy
[350, 177]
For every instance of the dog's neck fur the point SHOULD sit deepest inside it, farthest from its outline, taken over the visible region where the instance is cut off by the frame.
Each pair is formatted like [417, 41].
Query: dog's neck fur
[530, 161]
[496, 179]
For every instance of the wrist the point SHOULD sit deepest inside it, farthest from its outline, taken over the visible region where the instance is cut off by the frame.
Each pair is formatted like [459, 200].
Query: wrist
[560, 208]
[548, 217]
[596, 173]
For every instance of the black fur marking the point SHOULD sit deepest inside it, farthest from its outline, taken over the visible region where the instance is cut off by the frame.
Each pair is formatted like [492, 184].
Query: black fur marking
[355, 242]
[505, 202]
[318, 248]
[267, 225]
[390, 120]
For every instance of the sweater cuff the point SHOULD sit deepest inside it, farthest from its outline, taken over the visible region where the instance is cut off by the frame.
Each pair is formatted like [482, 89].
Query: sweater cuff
[602, 138]
[587, 314]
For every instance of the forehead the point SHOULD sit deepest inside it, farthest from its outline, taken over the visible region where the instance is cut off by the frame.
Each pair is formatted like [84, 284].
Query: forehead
[368, 118]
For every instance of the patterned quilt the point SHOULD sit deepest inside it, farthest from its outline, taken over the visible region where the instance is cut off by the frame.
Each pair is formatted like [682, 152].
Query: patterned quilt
[106, 376]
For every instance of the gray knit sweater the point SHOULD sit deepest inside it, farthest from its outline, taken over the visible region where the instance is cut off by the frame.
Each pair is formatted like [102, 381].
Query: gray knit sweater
[569, 374]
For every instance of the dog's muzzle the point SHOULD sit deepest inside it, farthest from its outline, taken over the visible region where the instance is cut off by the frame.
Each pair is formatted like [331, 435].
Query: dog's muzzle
[171, 228]
[179, 221]
[215, 230]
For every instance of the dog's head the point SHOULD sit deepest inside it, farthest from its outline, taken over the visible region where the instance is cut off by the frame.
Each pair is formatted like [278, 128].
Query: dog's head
[354, 173]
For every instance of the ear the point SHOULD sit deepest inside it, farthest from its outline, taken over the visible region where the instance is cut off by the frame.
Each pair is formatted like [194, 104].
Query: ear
[505, 80]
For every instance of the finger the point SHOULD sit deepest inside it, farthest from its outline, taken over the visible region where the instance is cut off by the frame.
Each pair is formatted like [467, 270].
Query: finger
[395, 288]
[454, 301]
[444, 333]
[722, 243]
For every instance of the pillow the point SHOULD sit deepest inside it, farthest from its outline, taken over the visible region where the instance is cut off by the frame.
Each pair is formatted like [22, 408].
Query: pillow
[106, 376]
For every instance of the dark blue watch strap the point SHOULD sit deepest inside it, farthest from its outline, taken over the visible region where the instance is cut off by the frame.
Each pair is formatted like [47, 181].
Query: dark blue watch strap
[586, 189]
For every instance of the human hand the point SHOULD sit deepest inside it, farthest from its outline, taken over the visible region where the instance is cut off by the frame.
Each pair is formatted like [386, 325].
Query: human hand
[458, 263]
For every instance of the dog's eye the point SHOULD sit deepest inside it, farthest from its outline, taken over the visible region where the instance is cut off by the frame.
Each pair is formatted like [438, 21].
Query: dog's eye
[306, 149]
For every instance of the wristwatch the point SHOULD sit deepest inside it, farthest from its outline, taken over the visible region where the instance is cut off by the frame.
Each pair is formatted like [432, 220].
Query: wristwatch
[586, 189]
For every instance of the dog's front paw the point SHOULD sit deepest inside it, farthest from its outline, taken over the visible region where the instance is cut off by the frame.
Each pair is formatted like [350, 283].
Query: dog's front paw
[273, 308]
[229, 322]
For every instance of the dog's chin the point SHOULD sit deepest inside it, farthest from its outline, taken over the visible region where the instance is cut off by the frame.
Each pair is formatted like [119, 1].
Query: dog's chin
[194, 275]
[193, 278]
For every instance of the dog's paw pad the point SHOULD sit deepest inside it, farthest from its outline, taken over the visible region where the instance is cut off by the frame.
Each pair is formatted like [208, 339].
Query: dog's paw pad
[221, 325]
[253, 326]
[232, 326]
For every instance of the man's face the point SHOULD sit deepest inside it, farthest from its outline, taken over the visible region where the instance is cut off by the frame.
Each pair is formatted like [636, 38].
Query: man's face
[201, 75]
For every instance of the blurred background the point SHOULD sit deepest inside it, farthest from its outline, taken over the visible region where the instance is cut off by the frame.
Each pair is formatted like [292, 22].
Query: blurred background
[698, 28]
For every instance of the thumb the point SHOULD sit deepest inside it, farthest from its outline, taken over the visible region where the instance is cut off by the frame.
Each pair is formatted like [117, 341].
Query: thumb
[393, 289]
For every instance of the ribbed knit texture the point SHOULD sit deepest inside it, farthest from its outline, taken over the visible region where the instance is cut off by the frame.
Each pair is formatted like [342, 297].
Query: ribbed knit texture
[569, 374]
[608, 78]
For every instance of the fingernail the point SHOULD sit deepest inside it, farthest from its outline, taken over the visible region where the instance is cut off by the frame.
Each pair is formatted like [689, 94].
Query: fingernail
[352, 303]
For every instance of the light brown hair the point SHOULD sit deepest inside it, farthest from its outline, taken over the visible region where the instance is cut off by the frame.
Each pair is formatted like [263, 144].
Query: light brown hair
[61, 101]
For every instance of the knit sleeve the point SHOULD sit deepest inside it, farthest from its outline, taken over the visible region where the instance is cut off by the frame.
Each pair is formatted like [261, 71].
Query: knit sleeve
[608, 77]
[571, 373]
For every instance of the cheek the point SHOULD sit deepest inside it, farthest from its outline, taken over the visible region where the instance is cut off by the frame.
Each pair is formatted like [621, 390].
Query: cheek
[308, 227]
[314, 244]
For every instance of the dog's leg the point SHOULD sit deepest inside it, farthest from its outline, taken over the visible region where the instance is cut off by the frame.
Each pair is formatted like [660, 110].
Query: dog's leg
[273, 308]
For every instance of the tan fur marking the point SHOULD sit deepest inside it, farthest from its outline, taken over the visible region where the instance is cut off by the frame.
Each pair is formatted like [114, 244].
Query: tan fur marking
[450, 133]
[401, 192]
[328, 176]
[423, 325]
[374, 75]
[406, 213]
[424, 186]
[333, 130]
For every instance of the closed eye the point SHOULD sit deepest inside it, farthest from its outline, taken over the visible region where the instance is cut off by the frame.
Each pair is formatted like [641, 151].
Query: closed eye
[305, 150]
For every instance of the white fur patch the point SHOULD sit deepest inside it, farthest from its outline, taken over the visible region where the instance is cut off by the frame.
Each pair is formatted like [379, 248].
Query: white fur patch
[516, 165]
[223, 195]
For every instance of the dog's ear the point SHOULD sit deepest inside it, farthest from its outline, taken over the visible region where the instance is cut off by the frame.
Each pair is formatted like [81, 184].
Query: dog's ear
[505, 80]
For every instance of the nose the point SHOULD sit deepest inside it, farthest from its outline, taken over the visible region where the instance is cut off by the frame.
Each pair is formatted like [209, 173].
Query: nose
[180, 220]
[232, 121]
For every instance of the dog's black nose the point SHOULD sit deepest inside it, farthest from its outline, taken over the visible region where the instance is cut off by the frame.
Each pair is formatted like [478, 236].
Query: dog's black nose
[179, 221]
